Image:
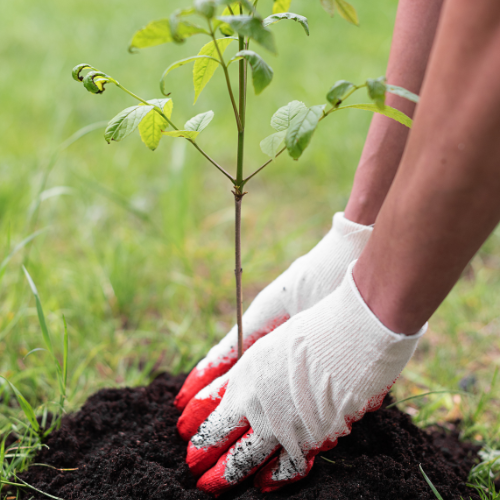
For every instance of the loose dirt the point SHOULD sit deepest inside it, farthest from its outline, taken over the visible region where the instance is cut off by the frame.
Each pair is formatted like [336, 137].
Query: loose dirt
[125, 446]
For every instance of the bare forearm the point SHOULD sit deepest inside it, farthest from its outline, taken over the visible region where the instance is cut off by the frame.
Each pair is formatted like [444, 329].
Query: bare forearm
[445, 199]
[414, 33]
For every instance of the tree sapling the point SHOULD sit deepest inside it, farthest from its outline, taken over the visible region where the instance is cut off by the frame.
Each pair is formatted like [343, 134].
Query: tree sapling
[294, 124]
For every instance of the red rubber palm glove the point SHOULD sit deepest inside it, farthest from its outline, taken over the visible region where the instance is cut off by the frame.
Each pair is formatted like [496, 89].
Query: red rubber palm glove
[305, 283]
[293, 394]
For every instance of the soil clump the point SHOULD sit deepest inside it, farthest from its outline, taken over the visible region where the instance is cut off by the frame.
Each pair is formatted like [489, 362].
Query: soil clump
[125, 446]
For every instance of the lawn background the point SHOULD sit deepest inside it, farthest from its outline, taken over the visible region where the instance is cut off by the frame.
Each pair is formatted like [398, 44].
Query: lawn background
[136, 247]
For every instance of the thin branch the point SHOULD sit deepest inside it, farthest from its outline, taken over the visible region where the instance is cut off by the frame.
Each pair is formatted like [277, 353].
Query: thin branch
[228, 79]
[212, 161]
[263, 167]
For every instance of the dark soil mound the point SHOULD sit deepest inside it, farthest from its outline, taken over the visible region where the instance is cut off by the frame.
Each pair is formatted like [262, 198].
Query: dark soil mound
[125, 445]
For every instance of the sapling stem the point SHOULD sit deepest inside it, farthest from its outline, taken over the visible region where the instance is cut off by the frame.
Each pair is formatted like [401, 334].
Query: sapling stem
[238, 196]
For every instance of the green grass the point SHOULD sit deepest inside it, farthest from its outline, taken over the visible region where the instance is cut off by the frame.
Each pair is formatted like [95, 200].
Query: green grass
[134, 248]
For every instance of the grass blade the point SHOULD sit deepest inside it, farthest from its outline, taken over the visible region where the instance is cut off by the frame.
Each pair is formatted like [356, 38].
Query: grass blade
[25, 406]
[428, 481]
[426, 394]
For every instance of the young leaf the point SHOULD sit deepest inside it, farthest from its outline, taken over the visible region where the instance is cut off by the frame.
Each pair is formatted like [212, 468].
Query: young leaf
[187, 134]
[393, 113]
[347, 11]
[159, 32]
[283, 117]
[252, 27]
[153, 123]
[262, 73]
[272, 144]
[180, 63]
[301, 130]
[401, 92]
[125, 123]
[329, 6]
[206, 8]
[338, 91]
[376, 90]
[281, 6]
[199, 122]
[25, 406]
[246, 3]
[287, 15]
[224, 28]
[204, 68]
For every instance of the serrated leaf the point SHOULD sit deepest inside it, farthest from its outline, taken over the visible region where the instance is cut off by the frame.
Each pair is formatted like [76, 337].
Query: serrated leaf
[252, 27]
[289, 16]
[262, 73]
[338, 91]
[187, 134]
[329, 6]
[125, 123]
[153, 123]
[272, 144]
[180, 63]
[281, 6]
[283, 117]
[393, 113]
[199, 122]
[402, 92]
[301, 129]
[160, 32]
[347, 11]
[376, 90]
[205, 66]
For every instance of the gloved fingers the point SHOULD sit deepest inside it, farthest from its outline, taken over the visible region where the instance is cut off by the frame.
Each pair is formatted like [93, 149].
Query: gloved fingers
[201, 406]
[225, 355]
[283, 469]
[199, 378]
[242, 460]
[214, 437]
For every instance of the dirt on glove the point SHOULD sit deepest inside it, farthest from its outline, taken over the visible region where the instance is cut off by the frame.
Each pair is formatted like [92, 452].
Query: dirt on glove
[124, 445]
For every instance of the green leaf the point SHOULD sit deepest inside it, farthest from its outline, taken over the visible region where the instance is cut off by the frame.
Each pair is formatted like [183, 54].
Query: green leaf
[281, 6]
[287, 15]
[205, 66]
[159, 32]
[180, 63]
[206, 8]
[246, 3]
[428, 481]
[401, 92]
[187, 134]
[376, 90]
[283, 117]
[338, 91]
[125, 123]
[252, 27]
[152, 125]
[329, 6]
[25, 406]
[301, 130]
[78, 69]
[393, 113]
[224, 28]
[272, 144]
[347, 11]
[262, 73]
[199, 122]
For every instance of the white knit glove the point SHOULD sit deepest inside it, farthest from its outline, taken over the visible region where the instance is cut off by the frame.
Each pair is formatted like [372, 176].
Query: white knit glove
[306, 282]
[294, 393]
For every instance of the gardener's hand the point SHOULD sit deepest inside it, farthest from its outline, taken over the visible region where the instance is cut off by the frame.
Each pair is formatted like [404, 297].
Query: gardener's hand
[305, 283]
[294, 393]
